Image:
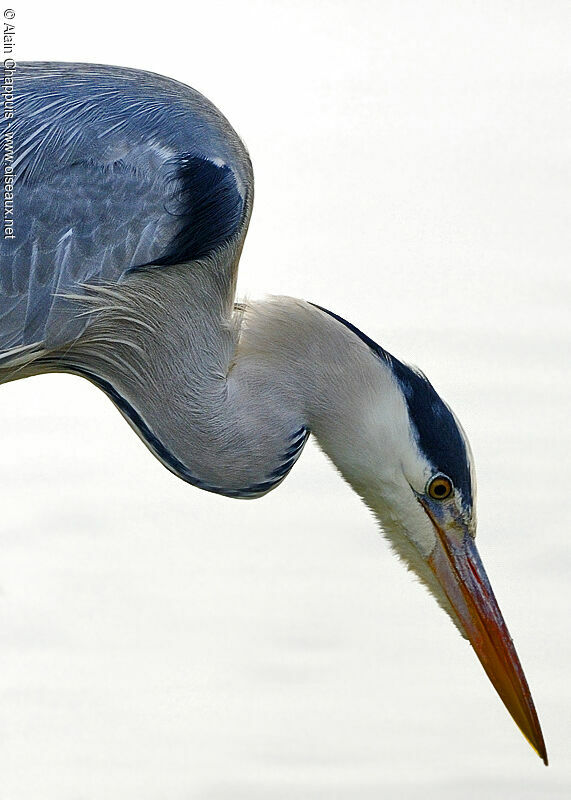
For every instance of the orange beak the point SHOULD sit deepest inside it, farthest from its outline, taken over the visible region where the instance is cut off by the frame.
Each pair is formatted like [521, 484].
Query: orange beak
[459, 570]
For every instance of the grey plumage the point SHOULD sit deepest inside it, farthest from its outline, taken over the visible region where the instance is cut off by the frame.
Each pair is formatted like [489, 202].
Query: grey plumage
[103, 160]
[132, 199]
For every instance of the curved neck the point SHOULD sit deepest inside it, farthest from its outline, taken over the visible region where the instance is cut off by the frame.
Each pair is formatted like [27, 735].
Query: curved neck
[224, 398]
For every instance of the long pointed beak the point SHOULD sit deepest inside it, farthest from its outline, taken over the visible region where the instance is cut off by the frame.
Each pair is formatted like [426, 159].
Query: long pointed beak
[459, 570]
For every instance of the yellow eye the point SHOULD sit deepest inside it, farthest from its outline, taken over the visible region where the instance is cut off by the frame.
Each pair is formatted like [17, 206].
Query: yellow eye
[440, 487]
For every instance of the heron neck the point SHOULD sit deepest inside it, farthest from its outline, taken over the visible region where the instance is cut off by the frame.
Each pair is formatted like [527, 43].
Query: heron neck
[226, 397]
[294, 360]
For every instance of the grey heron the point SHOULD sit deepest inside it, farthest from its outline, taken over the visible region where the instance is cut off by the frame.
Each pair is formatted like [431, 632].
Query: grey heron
[128, 197]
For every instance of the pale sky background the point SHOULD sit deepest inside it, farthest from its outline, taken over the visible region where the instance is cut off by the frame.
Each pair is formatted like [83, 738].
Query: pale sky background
[412, 172]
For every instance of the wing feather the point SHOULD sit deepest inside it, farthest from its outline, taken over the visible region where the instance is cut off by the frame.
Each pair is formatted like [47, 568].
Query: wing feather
[114, 170]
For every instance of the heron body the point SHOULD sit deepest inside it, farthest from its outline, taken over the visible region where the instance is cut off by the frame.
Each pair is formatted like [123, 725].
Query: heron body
[132, 198]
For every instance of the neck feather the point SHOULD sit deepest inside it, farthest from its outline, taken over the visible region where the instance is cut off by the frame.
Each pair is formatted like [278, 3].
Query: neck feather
[225, 397]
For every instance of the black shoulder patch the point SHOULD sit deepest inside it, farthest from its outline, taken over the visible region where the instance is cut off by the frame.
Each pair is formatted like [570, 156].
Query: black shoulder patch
[437, 432]
[210, 208]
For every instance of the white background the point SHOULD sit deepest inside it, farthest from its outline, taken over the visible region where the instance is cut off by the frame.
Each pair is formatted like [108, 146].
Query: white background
[412, 168]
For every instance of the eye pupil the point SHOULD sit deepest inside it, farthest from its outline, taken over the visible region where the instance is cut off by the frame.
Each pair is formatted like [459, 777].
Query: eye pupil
[440, 489]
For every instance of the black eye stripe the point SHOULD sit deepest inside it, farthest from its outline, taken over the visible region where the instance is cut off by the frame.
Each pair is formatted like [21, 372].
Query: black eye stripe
[438, 435]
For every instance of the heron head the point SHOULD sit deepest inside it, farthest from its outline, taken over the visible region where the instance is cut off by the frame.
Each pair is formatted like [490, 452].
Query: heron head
[406, 454]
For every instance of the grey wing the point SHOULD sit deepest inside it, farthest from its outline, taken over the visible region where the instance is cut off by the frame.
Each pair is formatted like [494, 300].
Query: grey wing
[113, 170]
